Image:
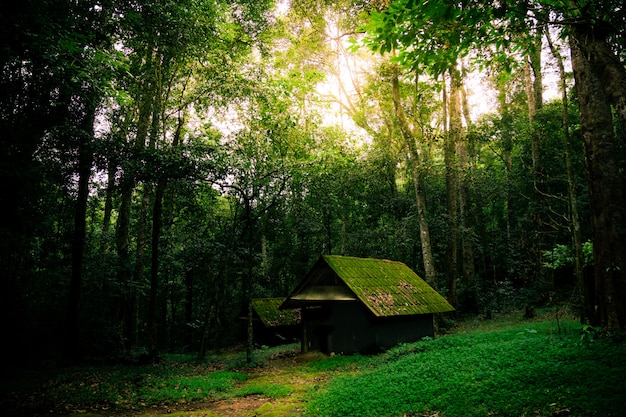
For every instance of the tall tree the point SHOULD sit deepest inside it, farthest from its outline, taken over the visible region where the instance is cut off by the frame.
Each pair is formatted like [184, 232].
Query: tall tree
[605, 186]
[575, 227]
[599, 77]
[410, 138]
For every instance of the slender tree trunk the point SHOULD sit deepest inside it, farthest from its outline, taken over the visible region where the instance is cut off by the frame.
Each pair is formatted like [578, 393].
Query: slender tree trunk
[125, 310]
[534, 92]
[467, 234]
[605, 185]
[583, 293]
[189, 303]
[409, 137]
[535, 64]
[534, 95]
[507, 146]
[85, 159]
[247, 277]
[209, 317]
[108, 206]
[452, 181]
[157, 213]
[157, 223]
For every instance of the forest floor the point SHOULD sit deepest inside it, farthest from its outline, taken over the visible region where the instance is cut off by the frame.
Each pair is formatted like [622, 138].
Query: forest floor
[548, 367]
[284, 368]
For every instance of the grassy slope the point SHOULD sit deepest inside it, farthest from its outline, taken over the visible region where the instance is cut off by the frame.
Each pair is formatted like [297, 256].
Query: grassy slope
[523, 370]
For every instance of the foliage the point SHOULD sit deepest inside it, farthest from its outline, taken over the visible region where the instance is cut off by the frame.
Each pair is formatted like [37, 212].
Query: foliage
[258, 183]
[561, 255]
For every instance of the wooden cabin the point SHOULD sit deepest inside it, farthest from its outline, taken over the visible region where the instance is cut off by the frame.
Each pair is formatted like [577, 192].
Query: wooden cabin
[350, 305]
[271, 326]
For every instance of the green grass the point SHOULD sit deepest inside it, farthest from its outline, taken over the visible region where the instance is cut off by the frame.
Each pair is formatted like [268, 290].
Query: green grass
[131, 387]
[504, 367]
[269, 390]
[524, 370]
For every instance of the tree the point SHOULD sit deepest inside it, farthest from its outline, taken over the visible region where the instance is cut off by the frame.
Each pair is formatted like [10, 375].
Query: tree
[65, 61]
[403, 26]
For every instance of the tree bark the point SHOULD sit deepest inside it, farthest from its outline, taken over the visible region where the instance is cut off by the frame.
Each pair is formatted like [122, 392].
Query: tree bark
[420, 200]
[467, 234]
[108, 206]
[125, 309]
[604, 182]
[583, 295]
[85, 158]
[452, 181]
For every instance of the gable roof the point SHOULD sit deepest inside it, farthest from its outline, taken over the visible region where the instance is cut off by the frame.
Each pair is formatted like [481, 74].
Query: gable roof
[386, 288]
[271, 316]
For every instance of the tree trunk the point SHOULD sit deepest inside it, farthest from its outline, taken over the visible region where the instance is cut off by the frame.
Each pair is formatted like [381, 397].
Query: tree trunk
[606, 66]
[108, 206]
[452, 181]
[581, 288]
[157, 212]
[409, 137]
[157, 222]
[534, 93]
[85, 158]
[604, 182]
[189, 303]
[507, 146]
[125, 309]
[467, 234]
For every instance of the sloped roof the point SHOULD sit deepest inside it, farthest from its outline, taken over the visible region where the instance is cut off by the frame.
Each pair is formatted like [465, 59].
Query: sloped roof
[386, 288]
[271, 316]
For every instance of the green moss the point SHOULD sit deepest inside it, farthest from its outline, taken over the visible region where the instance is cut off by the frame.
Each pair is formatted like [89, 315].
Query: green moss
[271, 316]
[388, 288]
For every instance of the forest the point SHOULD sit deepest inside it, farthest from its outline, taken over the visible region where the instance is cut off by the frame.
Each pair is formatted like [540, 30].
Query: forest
[164, 162]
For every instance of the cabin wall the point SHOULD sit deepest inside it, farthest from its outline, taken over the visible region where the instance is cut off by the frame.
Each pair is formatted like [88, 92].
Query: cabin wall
[348, 327]
[391, 331]
[274, 336]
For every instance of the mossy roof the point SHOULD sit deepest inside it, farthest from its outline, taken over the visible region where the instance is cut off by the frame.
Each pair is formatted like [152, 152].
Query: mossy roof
[386, 288]
[269, 314]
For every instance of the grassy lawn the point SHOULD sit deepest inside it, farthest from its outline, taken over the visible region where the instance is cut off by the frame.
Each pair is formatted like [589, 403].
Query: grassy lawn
[495, 368]
[528, 369]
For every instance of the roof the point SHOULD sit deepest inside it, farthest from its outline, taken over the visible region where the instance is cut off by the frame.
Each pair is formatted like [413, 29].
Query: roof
[386, 288]
[271, 316]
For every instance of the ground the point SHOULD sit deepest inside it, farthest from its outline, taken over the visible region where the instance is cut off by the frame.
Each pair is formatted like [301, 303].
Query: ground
[279, 368]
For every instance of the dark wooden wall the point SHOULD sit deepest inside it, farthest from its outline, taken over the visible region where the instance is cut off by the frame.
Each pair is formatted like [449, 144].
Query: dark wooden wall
[347, 327]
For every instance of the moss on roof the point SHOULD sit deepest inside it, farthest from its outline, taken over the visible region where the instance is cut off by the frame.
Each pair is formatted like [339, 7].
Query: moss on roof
[387, 288]
[271, 316]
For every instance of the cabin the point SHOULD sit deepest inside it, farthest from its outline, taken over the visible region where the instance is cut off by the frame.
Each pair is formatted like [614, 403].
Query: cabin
[359, 305]
[271, 326]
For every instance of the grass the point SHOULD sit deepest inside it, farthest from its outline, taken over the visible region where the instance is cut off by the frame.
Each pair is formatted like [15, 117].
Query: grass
[523, 370]
[502, 368]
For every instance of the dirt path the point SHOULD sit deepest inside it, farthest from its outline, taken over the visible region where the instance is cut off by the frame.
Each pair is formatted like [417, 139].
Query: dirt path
[280, 371]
